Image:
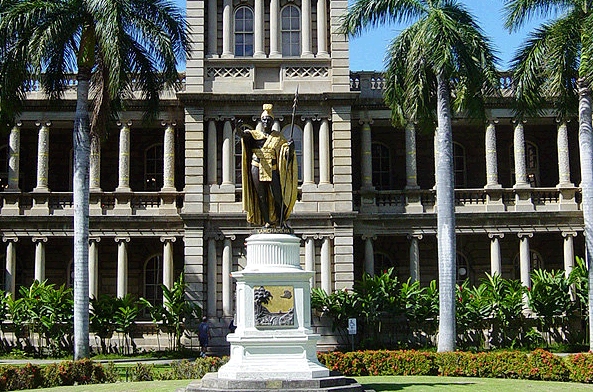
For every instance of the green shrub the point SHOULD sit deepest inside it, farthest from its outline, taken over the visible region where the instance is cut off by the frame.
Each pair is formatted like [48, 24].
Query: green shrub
[185, 369]
[580, 367]
[141, 372]
[84, 371]
[25, 377]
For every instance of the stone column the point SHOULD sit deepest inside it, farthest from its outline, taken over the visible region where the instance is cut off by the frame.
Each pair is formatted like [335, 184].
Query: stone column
[169, 158]
[227, 289]
[10, 273]
[211, 284]
[322, 29]
[519, 156]
[14, 151]
[212, 153]
[308, 152]
[415, 256]
[525, 259]
[491, 156]
[228, 168]
[227, 28]
[94, 267]
[324, 151]
[95, 165]
[568, 251]
[124, 157]
[212, 29]
[367, 158]
[495, 255]
[42, 157]
[274, 28]
[310, 257]
[411, 167]
[168, 262]
[326, 278]
[39, 258]
[258, 30]
[369, 254]
[122, 266]
[306, 29]
[563, 157]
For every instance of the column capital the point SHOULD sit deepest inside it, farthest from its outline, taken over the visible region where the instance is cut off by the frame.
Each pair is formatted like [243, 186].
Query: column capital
[168, 238]
[526, 235]
[122, 239]
[517, 121]
[10, 238]
[17, 125]
[312, 117]
[42, 124]
[492, 121]
[169, 124]
[327, 236]
[39, 239]
[94, 239]
[567, 234]
[369, 237]
[496, 235]
[417, 236]
[310, 236]
[230, 237]
[366, 121]
[561, 121]
[124, 124]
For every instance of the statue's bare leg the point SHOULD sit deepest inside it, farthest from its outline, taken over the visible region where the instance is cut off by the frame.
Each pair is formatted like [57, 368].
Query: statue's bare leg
[277, 194]
[261, 189]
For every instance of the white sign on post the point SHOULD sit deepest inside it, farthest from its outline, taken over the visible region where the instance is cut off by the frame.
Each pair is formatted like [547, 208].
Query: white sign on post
[352, 326]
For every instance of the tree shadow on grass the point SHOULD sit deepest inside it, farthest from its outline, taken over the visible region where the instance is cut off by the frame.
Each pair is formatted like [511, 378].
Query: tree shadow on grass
[378, 387]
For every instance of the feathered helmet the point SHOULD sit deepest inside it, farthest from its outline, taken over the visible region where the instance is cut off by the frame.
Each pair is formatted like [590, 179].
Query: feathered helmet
[267, 110]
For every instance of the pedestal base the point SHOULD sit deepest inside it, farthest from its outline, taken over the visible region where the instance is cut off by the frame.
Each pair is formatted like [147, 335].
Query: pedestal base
[211, 383]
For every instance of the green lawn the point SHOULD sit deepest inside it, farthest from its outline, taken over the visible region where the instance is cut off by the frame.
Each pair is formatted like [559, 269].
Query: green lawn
[379, 384]
[462, 384]
[147, 386]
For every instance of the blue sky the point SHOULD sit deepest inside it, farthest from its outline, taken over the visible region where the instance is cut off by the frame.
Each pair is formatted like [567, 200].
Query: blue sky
[368, 51]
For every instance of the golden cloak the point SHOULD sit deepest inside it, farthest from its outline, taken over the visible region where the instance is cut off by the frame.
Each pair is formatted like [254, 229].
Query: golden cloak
[276, 147]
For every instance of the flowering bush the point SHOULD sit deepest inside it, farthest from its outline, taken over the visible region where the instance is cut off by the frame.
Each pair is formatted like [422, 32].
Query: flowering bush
[537, 365]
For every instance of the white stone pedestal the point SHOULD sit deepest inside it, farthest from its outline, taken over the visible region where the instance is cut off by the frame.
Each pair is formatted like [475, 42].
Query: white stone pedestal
[283, 350]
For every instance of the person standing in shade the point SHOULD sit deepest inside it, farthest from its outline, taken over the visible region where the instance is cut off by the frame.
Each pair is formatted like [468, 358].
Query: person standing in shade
[270, 173]
[203, 335]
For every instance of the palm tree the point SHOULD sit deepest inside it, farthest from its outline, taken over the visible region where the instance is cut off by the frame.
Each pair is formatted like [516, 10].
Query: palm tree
[557, 55]
[113, 46]
[444, 50]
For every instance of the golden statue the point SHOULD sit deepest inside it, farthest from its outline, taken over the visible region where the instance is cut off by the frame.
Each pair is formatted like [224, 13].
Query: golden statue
[270, 173]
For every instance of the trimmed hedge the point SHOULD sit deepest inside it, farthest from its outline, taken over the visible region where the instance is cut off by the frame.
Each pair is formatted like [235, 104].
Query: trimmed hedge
[88, 372]
[537, 365]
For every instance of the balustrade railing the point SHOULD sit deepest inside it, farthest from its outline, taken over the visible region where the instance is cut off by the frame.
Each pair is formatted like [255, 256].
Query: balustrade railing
[103, 203]
[472, 200]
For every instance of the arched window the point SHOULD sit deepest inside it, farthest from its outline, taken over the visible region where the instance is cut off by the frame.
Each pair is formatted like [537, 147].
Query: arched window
[383, 262]
[463, 269]
[243, 32]
[3, 167]
[381, 159]
[297, 136]
[531, 163]
[153, 168]
[291, 31]
[238, 155]
[536, 262]
[459, 165]
[153, 278]
[70, 273]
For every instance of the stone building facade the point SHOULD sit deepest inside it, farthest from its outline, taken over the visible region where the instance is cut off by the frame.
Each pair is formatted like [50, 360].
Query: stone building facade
[166, 197]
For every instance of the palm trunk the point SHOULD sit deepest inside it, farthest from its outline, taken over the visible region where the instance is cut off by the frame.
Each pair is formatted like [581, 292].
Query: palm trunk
[445, 204]
[80, 184]
[586, 157]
